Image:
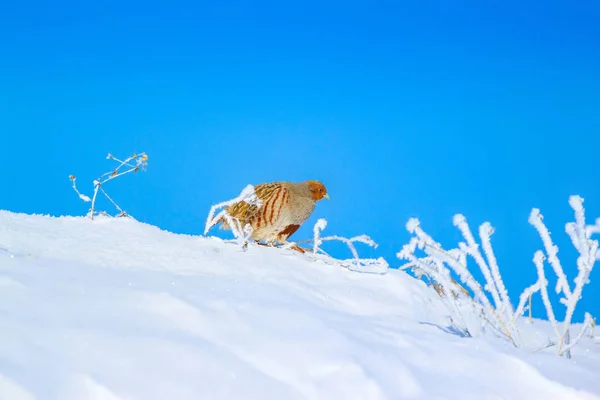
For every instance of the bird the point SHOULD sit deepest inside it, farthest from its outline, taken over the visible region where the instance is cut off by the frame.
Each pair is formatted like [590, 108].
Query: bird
[285, 207]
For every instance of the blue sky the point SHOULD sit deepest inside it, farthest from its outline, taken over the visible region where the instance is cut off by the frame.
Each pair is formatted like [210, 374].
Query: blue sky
[421, 109]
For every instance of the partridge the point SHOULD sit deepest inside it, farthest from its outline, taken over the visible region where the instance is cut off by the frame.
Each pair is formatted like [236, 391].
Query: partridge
[285, 207]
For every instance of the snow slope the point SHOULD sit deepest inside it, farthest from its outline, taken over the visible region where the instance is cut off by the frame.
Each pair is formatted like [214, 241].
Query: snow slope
[117, 309]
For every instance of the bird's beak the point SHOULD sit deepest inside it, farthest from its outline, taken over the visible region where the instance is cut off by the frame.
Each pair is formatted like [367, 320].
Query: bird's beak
[326, 196]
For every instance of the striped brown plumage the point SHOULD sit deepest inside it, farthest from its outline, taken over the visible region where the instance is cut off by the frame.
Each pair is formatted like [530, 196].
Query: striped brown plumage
[285, 207]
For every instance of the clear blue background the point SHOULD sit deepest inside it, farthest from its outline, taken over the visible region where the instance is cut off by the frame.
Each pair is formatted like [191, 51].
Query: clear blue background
[402, 109]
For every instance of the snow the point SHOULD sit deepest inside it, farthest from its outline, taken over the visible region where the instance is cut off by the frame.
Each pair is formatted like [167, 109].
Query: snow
[118, 309]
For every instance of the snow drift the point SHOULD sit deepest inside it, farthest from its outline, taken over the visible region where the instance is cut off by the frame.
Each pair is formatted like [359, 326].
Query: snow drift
[118, 309]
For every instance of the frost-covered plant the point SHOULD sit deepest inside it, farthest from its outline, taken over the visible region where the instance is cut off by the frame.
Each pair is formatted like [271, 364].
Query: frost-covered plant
[580, 235]
[241, 233]
[140, 162]
[594, 230]
[490, 302]
[356, 261]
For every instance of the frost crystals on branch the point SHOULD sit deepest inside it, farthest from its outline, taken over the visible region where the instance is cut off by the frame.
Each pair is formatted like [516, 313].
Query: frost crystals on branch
[355, 263]
[140, 162]
[594, 230]
[437, 265]
[491, 301]
[580, 235]
[241, 233]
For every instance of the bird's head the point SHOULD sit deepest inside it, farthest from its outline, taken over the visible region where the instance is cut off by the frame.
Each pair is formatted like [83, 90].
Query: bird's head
[318, 191]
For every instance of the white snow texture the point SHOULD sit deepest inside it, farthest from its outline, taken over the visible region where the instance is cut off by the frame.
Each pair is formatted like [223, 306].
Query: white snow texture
[118, 309]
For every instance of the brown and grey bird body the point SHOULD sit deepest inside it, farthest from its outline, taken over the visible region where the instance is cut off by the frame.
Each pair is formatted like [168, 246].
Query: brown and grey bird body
[285, 207]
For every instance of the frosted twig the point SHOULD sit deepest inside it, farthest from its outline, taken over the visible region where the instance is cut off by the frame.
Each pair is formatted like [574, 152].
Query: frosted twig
[319, 226]
[585, 264]
[122, 213]
[580, 235]
[588, 324]
[536, 219]
[141, 163]
[350, 243]
[485, 232]
[524, 298]
[81, 196]
[538, 260]
[318, 240]
[472, 249]
[593, 229]
[122, 163]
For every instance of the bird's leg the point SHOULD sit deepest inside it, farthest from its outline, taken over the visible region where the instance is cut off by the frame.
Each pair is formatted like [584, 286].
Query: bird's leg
[294, 246]
[298, 248]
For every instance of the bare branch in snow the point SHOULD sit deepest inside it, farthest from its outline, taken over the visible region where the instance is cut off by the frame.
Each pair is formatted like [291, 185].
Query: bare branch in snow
[491, 301]
[356, 261]
[133, 163]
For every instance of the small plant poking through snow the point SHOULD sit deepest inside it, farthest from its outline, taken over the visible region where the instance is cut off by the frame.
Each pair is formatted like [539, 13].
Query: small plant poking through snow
[496, 312]
[355, 261]
[241, 233]
[588, 250]
[134, 163]
[491, 301]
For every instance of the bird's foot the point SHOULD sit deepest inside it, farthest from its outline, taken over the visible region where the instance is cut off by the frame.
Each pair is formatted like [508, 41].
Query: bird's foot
[289, 245]
[295, 247]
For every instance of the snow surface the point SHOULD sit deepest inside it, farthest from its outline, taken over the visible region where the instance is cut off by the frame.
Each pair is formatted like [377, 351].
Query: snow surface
[118, 309]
